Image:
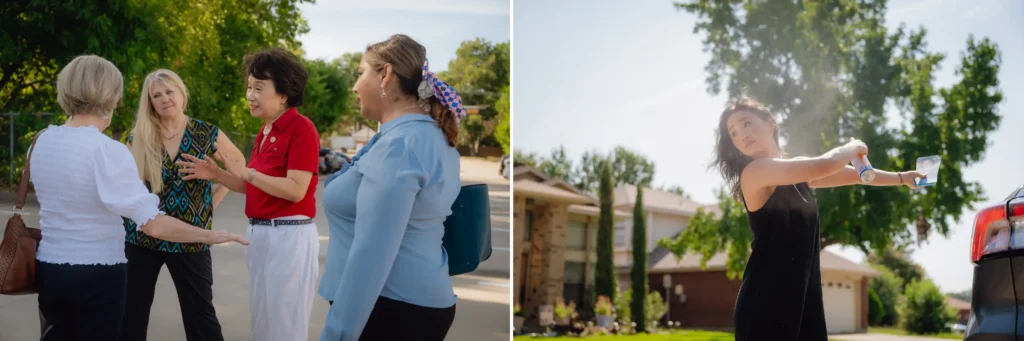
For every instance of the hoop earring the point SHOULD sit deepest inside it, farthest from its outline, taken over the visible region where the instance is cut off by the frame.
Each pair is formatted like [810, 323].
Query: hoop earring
[382, 94]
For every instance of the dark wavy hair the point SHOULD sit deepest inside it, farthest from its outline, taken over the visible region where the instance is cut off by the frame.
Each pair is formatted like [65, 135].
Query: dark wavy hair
[728, 159]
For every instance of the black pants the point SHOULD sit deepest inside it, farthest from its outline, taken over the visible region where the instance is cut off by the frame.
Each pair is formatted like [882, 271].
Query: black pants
[80, 302]
[397, 320]
[192, 273]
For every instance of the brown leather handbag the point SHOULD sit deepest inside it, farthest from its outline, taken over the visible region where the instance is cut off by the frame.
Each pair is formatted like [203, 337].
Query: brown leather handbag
[18, 249]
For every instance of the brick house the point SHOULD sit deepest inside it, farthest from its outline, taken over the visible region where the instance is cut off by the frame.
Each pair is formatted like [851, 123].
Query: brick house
[554, 239]
[706, 298]
[963, 309]
[709, 294]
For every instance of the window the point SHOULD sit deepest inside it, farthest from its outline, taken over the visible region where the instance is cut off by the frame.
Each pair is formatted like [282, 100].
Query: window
[575, 236]
[620, 235]
[529, 224]
[573, 286]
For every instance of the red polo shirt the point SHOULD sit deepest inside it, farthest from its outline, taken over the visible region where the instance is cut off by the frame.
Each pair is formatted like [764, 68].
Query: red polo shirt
[293, 143]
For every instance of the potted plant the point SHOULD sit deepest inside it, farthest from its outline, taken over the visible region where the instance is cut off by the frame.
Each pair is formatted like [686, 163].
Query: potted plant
[564, 313]
[603, 311]
[519, 319]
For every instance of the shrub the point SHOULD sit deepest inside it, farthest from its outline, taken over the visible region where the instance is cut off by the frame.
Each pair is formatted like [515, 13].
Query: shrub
[924, 310]
[603, 306]
[889, 289]
[876, 309]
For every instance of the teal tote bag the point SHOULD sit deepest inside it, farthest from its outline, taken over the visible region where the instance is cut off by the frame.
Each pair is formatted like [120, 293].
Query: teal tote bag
[467, 231]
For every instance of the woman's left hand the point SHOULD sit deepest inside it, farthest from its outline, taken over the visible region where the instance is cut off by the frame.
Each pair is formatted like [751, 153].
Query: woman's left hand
[910, 177]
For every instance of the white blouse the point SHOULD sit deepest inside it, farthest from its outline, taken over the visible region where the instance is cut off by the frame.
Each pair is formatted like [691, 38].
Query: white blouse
[85, 182]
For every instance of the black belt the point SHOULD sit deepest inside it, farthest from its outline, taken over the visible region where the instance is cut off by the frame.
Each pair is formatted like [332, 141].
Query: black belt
[275, 222]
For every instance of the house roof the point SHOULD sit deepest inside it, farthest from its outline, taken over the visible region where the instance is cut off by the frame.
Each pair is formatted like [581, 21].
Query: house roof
[594, 211]
[659, 201]
[957, 303]
[533, 182]
[663, 261]
[548, 192]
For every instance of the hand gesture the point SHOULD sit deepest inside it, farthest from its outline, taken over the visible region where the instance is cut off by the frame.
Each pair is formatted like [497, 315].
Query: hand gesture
[234, 166]
[854, 148]
[221, 237]
[909, 177]
[196, 168]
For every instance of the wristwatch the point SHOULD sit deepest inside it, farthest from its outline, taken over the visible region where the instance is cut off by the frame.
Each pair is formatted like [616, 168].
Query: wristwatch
[252, 174]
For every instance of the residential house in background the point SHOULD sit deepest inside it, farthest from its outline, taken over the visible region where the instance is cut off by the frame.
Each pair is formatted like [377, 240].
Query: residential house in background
[705, 298]
[667, 215]
[554, 240]
[963, 309]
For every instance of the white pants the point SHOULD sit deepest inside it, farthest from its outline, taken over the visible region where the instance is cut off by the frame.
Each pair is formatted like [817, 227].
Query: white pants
[283, 266]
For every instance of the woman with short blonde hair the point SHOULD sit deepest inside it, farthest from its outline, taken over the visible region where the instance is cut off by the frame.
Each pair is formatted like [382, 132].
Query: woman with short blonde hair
[85, 182]
[161, 135]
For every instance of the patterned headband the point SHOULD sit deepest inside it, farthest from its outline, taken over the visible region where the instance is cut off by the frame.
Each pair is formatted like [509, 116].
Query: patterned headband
[431, 86]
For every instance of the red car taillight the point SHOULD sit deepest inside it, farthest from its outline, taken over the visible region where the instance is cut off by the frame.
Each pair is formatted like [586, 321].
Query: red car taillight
[994, 231]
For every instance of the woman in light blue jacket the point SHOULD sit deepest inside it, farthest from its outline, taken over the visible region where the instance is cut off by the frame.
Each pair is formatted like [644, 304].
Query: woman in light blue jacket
[385, 263]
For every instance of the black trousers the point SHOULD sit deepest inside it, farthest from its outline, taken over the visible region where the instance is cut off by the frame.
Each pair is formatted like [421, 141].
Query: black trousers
[192, 273]
[80, 302]
[397, 320]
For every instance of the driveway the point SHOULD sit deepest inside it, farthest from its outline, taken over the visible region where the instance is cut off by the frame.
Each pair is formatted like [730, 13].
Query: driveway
[482, 312]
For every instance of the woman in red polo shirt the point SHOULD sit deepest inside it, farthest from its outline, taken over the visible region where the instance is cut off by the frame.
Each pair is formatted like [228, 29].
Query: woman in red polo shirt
[279, 184]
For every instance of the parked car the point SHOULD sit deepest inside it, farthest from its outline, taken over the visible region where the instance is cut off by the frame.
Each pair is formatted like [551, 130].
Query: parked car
[331, 161]
[506, 166]
[997, 252]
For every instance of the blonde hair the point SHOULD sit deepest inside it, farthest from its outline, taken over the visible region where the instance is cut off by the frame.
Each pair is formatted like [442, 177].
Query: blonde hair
[148, 131]
[406, 57]
[89, 84]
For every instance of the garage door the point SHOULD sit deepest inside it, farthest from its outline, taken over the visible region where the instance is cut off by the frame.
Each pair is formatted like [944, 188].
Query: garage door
[840, 306]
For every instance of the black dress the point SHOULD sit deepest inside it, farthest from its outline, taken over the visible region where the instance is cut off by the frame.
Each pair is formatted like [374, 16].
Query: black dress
[780, 297]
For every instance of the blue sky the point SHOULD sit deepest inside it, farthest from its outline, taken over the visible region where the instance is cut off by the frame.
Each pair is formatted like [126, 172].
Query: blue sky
[337, 27]
[596, 74]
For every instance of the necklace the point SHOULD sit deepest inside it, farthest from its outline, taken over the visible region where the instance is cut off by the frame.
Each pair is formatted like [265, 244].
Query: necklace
[171, 137]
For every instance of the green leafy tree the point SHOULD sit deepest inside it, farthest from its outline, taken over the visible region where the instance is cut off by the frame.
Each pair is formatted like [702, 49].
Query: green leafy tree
[709, 233]
[876, 309]
[638, 273]
[962, 295]
[628, 167]
[925, 310]
[604, 277]
[480, 73]
[521, 158]
[38, 38]
[327, 97]
[898, 261]
[889, 288]
[502, 132]
[828, 70]
[349, 65]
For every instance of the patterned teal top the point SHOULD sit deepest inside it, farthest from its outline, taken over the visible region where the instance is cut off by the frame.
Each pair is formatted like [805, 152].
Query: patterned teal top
[189, 201]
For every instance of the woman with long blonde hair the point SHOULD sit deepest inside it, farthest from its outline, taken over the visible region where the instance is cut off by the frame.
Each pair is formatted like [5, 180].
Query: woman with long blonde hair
[161, 135]
[85, 183]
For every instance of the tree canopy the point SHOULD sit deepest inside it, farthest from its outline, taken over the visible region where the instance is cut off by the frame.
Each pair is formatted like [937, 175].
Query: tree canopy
[830, 71]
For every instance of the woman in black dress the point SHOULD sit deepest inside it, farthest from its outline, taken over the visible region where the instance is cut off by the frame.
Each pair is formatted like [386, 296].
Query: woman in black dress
[780, 297]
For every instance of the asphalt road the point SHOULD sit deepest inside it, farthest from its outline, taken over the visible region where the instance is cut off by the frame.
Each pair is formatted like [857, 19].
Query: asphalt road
[482, 312]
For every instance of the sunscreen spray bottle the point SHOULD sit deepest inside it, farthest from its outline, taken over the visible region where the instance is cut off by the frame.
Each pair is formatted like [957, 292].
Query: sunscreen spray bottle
[864, 170]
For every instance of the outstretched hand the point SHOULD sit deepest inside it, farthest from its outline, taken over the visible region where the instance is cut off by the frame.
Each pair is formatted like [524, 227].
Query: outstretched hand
[220, 237]
[909, 179]
[197, 168]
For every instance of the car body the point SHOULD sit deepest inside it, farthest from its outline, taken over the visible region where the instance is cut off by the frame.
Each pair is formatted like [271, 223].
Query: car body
[997, 252]
[332, 161]
[506, 166]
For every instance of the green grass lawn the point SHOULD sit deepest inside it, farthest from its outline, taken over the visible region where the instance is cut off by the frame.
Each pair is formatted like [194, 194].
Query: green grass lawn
[897, 331]
[685, 335]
